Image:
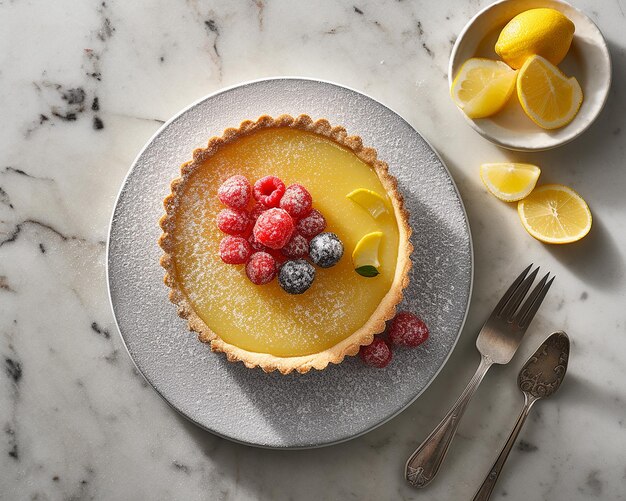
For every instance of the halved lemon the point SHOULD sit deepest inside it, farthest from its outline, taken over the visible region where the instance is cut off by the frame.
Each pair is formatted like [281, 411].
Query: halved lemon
[483, 86]
[555, 214]
[365, 254]
[547, 95]
[370, 201]
[509, 181]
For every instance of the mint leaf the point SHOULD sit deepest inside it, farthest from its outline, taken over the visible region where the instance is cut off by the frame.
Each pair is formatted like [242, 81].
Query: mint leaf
[367, 271]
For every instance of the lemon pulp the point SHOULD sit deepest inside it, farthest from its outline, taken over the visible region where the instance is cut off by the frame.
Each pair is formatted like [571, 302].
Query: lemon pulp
[509, 181]
[265, 319]
[482, 87]
[555, 214]
[548, 97]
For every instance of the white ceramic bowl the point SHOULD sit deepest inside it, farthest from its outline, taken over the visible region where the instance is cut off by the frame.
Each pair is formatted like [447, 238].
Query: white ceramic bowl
[588, 60]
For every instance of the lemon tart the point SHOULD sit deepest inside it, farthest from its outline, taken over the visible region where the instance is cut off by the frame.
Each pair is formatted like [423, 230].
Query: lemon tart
[261, 325]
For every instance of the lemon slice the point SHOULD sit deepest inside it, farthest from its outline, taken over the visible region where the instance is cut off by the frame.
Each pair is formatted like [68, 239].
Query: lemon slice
[370, 201]
[546, 32]
[548, 97]
[555, 214]
[365, 254]
[509, 181]
[482, 87]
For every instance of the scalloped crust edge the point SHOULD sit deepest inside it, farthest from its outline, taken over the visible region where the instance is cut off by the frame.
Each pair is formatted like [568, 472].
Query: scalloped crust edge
[347, 347]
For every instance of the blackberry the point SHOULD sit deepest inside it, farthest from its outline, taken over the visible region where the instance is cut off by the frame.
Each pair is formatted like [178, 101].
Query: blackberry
[325, 250]
[295, 277]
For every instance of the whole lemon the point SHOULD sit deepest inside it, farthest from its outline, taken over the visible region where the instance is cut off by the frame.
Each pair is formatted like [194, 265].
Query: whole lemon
[545, 32]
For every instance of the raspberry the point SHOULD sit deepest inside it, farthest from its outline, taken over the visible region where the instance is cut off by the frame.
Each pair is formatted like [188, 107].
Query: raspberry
[295, 277]
[233, 221]
[256, 245]
[235, 192]
[311, 225]
[297, 247]
[261, 268]
[408, 329]
[378, 354]
[257, 209]
[325, 250]
[297, 201]
[235, 250]
[273, 228]
[269, 190]
[278, 256]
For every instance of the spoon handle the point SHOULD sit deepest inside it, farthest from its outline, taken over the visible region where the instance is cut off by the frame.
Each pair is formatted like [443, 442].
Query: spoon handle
[424, 463]
[484, 493]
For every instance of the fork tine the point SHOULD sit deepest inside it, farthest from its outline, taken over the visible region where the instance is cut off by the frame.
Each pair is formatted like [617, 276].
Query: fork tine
[531, 298]
[516, 299]
[507, 295]
[530, 308]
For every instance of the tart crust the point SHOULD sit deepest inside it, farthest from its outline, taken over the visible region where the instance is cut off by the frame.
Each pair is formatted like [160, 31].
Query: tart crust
[347, 347]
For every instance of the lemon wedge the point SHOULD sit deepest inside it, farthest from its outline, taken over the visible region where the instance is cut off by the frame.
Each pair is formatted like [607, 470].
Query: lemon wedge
[370, 201]
[509, 181]
[483, 86]
[365, 254]
[548, 97]
[555, 214]
[545, 32]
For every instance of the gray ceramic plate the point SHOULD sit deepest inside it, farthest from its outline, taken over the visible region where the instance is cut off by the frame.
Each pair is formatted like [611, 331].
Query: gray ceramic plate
[271, 410]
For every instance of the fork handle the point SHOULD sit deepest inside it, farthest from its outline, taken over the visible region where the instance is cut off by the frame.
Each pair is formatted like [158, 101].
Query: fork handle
[424, 463]
[485, 490]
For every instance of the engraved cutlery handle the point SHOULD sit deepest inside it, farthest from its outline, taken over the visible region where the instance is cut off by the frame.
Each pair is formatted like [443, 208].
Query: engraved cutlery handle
[484, 493]
[424, 463]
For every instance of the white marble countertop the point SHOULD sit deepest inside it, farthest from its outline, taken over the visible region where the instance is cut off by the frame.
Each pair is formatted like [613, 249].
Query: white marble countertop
[84, 85]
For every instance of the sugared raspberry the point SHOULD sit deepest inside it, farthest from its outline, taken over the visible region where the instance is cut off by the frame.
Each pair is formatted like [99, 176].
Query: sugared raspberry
[235, 192]
[257, 209]
[297, 201]
[311, 225]
[378, 354]
[235, 250]
[273, 228]
[269, 190]
[407, 329]
[233, 221]
[278, 256]
[261, 268]
[297, 247]
[256, 245]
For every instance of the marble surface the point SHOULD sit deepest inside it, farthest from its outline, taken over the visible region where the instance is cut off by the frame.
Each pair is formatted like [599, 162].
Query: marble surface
[84, 85]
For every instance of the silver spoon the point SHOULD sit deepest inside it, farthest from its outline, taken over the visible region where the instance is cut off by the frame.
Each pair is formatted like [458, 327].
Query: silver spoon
[540, 377]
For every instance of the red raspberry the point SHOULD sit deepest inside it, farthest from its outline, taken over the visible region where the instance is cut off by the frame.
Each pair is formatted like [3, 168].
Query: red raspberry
[297, 201]
[297, 247]
[311, 225]
[256, 245]
[235, 250]
[235, 192]
[257, 209]
[269, 190]
[273, 228]
[278, 256]
[408, 329]
[378, 354]
[233, 221]
[261, 268]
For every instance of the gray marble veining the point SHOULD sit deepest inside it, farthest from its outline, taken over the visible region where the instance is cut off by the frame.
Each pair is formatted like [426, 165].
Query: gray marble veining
[84, 85]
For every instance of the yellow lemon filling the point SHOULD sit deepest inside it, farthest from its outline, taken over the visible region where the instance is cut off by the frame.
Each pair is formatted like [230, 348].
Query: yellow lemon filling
[264, 319]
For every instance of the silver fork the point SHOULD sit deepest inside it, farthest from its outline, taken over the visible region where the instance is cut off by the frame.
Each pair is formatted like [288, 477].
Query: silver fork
[497, 342]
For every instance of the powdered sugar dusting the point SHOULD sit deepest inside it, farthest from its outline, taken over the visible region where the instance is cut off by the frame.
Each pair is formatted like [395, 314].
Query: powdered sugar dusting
[270, 409]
